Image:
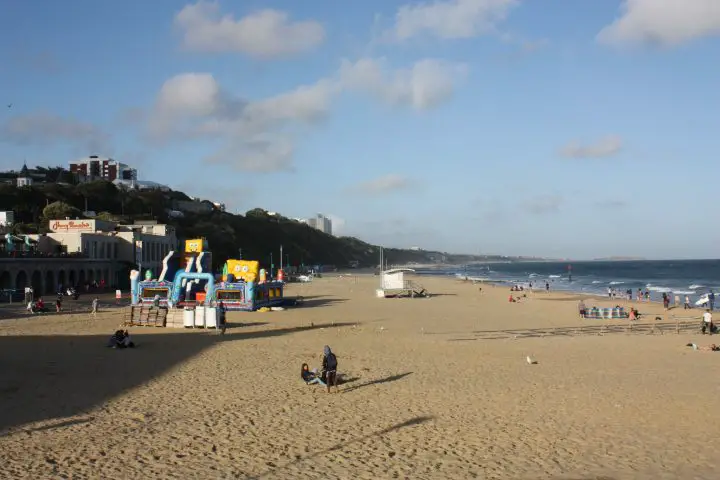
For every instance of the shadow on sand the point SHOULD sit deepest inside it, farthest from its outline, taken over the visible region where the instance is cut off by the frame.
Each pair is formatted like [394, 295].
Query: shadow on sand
[56, 377]
[378, 381]
[320, 302]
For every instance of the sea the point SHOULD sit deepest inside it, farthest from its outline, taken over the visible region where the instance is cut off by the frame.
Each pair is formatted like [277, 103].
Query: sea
[693, 278]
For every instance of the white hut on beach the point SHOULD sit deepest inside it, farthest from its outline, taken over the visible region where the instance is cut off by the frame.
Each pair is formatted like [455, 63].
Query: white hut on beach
[393, 284]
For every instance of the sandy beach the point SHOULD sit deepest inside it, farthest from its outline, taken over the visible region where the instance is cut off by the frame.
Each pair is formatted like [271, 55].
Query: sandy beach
[435, 388]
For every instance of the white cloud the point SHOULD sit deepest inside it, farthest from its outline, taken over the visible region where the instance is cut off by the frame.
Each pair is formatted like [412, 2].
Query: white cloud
[612, 204]
[607, 147]
[663, 22]
[450, 19]
[389, 183]
[257, 135]
[46, 130]
[426, 84]
[257, 155]
[543, 204]
[263, 34]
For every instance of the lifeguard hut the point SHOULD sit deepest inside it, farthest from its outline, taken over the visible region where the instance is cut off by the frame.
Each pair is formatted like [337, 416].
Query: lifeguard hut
[393, 284]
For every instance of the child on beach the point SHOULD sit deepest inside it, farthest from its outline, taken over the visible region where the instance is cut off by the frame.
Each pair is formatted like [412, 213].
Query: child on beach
[95, 306]
[687, 303]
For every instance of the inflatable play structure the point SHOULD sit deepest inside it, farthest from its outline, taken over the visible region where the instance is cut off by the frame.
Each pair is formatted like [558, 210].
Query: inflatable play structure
[243, 285]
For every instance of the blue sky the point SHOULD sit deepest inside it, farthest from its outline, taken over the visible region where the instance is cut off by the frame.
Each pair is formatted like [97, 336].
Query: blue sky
[517, 127]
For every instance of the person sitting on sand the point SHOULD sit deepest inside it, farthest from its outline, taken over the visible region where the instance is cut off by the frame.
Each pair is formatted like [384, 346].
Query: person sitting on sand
[329, 368]
[120, 339]
[310, 376]
[40, 305]
[633, 314]
[705, 348]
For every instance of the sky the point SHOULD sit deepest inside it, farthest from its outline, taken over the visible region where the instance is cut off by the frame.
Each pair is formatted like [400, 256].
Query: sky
[574, 129]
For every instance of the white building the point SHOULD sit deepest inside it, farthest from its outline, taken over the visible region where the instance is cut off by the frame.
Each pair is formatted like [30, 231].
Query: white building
[321, 222]
[24, 179]
[142, 244]
[7, 219]
[95, 167]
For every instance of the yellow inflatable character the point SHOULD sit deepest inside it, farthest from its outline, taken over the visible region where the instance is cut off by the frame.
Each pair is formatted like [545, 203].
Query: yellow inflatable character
[246, 270]
[194, 246]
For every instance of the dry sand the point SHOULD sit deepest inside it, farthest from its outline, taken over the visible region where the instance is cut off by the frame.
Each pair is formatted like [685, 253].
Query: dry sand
[428, 395]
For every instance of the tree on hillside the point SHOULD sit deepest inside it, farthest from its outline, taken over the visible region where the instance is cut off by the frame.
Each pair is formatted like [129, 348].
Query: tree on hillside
[100, 195]
[59, 210]
[256, 212]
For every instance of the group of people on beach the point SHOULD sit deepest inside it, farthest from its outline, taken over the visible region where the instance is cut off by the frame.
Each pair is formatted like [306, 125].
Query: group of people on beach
[328, 373]
[38, 305]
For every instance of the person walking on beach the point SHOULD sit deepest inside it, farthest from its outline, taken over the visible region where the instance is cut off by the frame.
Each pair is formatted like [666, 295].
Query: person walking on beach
[687, 303]
[711, 299]
[707, 323]
[666, 300]
[95, 306]
[547, 286]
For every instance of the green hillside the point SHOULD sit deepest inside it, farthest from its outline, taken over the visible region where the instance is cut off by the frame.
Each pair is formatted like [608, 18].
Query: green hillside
[257, 233]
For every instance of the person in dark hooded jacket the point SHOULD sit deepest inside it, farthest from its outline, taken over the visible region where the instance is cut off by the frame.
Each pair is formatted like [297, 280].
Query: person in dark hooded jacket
[329, 368]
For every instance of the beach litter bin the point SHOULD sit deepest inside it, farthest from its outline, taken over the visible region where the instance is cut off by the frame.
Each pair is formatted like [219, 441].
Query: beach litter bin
[189, 317]
[211, 317]
[200, 317]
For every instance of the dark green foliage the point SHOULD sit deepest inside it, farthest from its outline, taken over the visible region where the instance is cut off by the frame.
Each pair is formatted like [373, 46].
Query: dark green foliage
[257, 233]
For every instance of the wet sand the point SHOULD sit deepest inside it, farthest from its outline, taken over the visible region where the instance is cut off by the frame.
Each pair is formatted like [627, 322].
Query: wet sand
[436, 388]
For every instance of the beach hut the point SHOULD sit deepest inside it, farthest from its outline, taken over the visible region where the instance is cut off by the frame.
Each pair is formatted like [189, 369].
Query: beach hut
[393, 284]
[394, 279]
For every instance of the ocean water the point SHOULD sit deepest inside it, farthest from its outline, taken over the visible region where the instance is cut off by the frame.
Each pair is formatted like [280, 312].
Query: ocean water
[679, 277]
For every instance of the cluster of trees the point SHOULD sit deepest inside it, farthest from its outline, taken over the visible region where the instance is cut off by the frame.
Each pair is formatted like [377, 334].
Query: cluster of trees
[257, 234]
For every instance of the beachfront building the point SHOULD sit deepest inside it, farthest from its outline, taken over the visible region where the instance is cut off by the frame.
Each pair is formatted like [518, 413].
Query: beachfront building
[76, 252]
[95, 167]
[24, 179]
[321, 222]
[7, 219]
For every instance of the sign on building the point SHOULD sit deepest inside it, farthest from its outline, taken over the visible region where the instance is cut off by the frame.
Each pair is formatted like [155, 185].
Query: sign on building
[72, 226]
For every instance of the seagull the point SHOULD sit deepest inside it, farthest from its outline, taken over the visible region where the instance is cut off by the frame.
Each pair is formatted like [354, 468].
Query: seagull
[10, 105]
[531, 360]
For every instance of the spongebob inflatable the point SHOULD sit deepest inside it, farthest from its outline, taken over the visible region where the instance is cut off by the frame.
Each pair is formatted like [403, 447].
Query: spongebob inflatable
[245, 288]
[245, 270]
